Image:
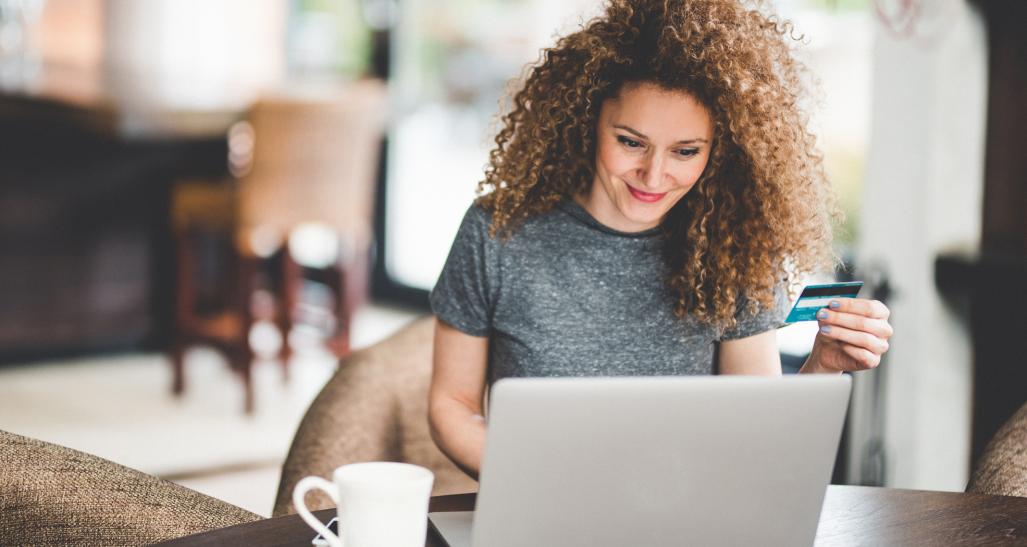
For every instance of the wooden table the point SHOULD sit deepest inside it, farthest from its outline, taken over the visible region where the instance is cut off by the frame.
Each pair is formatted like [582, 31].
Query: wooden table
[852, 515]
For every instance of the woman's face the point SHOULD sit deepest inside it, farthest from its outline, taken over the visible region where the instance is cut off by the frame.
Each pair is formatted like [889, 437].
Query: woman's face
[653, 145]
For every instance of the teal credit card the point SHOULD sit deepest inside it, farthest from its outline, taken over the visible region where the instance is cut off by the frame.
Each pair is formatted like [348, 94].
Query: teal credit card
[816, 297]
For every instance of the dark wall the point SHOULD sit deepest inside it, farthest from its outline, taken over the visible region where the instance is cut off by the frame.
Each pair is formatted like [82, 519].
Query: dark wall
[85, 257]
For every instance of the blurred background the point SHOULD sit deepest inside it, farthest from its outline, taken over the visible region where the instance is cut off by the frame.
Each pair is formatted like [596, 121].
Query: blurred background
[204, 204]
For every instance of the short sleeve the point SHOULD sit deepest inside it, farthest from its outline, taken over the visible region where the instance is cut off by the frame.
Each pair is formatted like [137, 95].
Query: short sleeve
[748, 324]
[464, 294]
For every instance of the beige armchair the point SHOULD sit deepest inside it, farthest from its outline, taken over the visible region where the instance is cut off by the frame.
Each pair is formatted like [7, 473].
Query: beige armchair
[1002, 468]
[374, 408]
[52, 495]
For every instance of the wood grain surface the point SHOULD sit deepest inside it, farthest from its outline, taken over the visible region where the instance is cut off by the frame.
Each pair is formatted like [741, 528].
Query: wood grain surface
[851, 516]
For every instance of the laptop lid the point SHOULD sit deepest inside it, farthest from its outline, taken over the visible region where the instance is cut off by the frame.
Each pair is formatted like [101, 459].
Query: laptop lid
[720, 460]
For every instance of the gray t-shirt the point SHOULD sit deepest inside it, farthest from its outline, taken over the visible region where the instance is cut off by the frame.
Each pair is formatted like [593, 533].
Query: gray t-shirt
[568, 296]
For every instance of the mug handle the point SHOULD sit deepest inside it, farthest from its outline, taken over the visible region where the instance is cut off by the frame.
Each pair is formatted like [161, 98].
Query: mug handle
[299, 493]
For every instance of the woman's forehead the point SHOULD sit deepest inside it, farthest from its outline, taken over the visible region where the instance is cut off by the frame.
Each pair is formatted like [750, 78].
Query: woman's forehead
[657, 110]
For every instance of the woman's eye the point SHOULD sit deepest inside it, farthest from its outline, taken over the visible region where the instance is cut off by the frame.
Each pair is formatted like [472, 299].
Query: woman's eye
[628, 142]
[688, 152]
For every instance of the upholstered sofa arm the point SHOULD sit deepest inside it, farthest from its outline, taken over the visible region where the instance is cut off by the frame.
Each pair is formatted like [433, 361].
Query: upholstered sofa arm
[1002, 468]
[52, 495]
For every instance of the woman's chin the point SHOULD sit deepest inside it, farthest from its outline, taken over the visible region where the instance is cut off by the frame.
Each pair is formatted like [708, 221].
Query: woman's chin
[640, 220]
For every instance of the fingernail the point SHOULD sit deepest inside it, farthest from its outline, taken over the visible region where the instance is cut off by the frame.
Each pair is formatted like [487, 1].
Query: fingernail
[835, 304]
[825, 329]
[822, 314]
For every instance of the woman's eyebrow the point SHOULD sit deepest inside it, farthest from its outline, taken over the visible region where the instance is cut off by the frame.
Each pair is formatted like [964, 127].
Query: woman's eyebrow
[641, 135]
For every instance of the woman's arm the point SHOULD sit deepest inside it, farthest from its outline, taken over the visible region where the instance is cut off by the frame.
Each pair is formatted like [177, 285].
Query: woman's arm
[853, 335]
[455, 398]
[755, 355]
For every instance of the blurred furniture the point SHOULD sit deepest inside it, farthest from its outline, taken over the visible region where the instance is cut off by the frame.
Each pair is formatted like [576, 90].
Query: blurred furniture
[95, 127]
[51, 495]
[306, 161]
[1002, 468]
[375, 408]
[215, 281]
[983, 287]
[315, 160]
[83, 229]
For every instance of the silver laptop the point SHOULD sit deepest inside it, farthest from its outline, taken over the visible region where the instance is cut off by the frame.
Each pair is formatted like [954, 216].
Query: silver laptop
[715, 460]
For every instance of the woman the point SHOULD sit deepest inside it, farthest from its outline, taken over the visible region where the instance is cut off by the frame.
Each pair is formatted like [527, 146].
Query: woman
[652, 197]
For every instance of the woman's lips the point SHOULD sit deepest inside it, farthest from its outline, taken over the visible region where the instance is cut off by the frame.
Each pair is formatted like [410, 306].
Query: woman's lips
[645, 196]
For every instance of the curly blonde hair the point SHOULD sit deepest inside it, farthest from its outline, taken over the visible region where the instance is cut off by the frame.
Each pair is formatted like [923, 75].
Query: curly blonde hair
[761, 212]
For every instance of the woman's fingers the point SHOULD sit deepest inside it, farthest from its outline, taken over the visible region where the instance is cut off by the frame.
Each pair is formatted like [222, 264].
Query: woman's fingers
[856, 331]
[860, 306]
[865, 359]
[857, 338]
[857, 322]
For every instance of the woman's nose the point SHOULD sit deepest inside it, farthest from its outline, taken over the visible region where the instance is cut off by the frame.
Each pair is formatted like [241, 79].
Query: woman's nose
[650, 173]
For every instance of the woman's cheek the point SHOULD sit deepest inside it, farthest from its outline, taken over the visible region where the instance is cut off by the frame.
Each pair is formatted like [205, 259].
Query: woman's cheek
[687, 176]
[696, 170]
[616, 162]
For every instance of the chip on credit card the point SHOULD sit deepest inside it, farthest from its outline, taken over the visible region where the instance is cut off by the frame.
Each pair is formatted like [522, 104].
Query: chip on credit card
[816, 297]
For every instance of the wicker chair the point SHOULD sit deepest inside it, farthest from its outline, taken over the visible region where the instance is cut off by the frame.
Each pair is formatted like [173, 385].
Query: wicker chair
[1002, 468]
[373, 409]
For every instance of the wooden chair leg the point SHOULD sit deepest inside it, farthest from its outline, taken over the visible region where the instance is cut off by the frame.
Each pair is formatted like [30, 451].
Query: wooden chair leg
[178, 367]
[184, 296]
[284, 355]
[338, 344]
[285, 352]
[242, 362]
[238, 350]
[337, 280]
[292, 284]
[351, 288]
[248, 404]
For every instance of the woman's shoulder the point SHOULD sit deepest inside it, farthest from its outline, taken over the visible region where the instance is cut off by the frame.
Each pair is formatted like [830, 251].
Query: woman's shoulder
[479, 210]
[477, 218]
[481, 214]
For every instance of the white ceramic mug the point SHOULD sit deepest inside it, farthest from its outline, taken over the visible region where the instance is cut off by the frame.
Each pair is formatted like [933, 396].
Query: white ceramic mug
[380, 504]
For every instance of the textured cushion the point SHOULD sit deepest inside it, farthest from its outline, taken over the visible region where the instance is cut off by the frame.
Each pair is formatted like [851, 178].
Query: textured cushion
[1002, 469]
[51, 495]
[375, 408]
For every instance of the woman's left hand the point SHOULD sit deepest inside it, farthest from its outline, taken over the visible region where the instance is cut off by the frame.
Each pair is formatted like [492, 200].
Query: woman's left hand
[853, 335]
